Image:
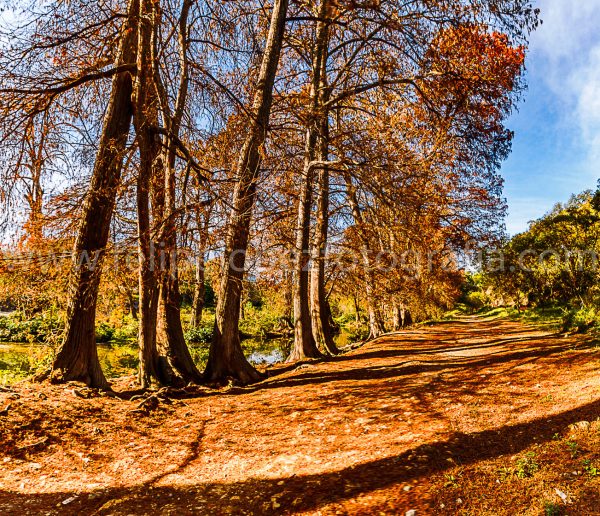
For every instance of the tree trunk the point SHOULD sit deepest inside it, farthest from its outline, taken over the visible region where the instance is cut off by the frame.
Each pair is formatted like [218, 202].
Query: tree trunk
[199, 291]
[177, 365]
[171, 340]
[145, 119]
[305, 344]
[226, 358]
[376, 327]
[407, 319]
[397, 319]
[77, 358]
[320, 310]
[356, 307]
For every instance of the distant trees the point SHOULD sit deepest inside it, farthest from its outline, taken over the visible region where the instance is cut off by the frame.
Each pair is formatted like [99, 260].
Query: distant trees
[323, 145]
[556, 261]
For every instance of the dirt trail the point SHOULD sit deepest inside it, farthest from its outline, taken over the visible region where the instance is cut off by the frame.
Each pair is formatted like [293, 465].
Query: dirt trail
[381, 430]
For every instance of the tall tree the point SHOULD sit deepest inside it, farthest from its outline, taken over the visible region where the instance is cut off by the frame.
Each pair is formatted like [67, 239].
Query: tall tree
[226, 358]
[77, 358]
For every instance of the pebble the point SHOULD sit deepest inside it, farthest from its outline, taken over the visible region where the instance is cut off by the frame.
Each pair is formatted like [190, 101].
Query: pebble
[562, 495]
[412, 512]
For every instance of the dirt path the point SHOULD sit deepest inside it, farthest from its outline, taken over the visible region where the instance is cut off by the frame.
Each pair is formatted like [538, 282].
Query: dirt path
[420, 420]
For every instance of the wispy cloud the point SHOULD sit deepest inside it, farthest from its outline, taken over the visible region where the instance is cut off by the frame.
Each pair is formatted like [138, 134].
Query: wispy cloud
[568, 48]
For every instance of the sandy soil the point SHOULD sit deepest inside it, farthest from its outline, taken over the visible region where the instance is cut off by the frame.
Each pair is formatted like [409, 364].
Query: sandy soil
[437, 420]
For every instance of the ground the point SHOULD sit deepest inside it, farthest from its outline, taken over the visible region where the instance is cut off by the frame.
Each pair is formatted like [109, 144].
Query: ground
[476, 416]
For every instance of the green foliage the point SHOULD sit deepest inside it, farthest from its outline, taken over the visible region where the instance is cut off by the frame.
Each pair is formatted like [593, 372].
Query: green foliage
[260, 319]
[127, 331]
[553, 263]
[451, 481]
[552, 509]
[44, 328]
[104, 333]
[475, 300]
[526, 466]
[573, 448]
[201, 334]
[581, 320]
[591, 469]
[28, 360]
[356, 331]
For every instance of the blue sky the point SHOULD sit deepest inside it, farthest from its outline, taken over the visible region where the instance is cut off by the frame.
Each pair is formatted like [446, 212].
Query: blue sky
[556, 150]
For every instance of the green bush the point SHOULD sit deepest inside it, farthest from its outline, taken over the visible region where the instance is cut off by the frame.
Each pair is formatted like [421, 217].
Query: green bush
[127, 332]
[44, 328]
[199, 335]
[475, 300]
[104, 333]
[259, 321]
[356, 332]
[581, 320]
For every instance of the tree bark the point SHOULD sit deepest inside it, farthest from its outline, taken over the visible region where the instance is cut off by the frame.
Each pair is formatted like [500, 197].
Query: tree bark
[356, 308]
[397, 318]
[145, 119]
[77, 358]
[376, 327]
[226, 358]
[199, 291]
[170, 337]
[305, 342]
[320, 310]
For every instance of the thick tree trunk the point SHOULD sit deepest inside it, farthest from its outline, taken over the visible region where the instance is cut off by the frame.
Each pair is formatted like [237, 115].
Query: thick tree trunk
[177, 365]
[145, 119]
[226, 358]
[407, 319]
[305, 343]
[171, 340]
[77, 358]
[320, 310]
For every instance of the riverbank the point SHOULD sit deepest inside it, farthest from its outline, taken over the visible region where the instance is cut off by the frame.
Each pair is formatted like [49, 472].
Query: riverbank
[466, 417]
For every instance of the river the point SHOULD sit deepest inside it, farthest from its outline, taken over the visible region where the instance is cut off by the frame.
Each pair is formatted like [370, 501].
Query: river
[19, 360]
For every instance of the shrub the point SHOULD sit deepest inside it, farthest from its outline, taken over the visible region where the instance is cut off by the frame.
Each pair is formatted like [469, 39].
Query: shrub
[104, 333]
[128, 331]
[581, 320]
[199, 335]
[526, 466]
[44, 328]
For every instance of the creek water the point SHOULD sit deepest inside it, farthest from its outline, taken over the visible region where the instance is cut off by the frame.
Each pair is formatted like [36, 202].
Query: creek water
[18, 360]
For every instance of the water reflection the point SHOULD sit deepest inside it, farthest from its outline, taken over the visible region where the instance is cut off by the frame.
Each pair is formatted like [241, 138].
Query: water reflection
[18, 360]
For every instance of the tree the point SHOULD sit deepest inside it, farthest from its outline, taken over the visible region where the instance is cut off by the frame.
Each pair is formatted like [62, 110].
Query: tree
[226, 357]
[77, 358]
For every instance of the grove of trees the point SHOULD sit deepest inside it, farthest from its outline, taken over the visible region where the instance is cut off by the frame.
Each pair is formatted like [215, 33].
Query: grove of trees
[335, 149]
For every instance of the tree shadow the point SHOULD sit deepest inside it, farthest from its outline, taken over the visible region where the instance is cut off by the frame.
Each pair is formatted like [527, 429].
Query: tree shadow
[306, 492]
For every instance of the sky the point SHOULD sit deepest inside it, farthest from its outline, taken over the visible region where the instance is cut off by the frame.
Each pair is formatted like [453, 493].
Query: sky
[556, 150]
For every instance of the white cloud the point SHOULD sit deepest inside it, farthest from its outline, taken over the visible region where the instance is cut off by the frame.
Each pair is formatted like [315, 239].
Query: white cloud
[568, 47]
